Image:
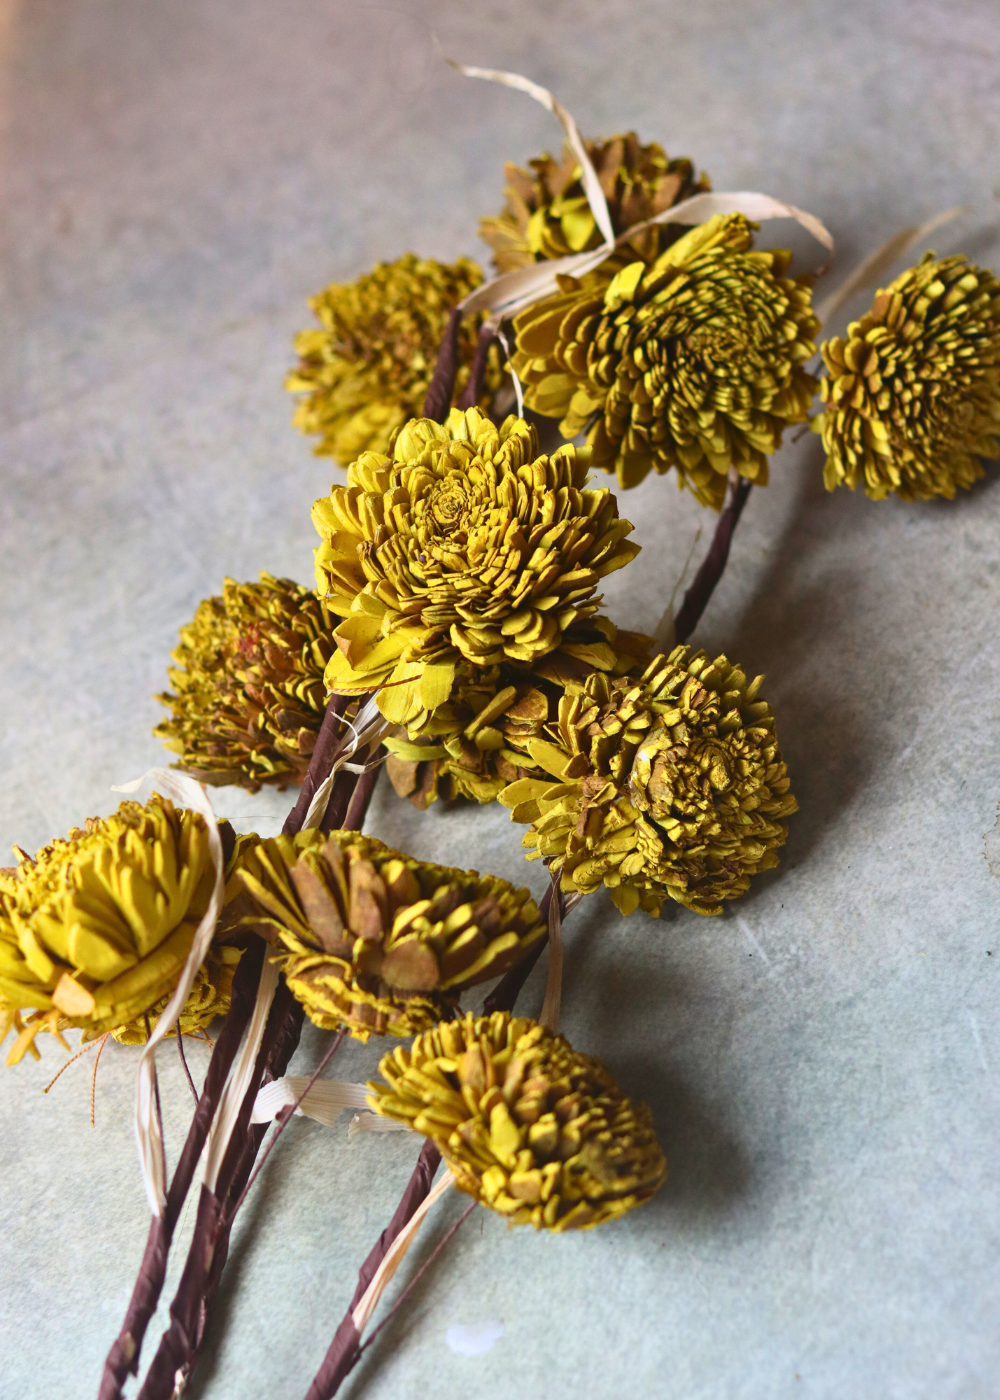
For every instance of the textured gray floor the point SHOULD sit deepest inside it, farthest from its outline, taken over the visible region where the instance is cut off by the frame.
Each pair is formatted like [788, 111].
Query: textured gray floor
[822, 1062]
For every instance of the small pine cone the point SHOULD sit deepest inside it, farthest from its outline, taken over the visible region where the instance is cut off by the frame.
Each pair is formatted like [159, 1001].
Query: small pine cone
[373, 940]
[463, 546]
[692, 363]
[913, 394]
[96, 930]
[249, 699]
[368, 368]
[547, 214]
[530, 1127]
[666, 785]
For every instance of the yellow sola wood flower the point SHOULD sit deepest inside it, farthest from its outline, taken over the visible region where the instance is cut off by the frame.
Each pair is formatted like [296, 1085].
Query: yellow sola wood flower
[249, 698]
[693, 362]
[464, 545]
[374, 940]
[367, 368]
[547, 213]
[669, 785]
[95, 931]
[528, 1125]
[912, 394]
[473, 746]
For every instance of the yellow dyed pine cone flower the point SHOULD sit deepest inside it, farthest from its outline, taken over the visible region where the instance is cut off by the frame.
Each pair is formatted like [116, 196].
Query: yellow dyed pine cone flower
[528, 1125]
[668, 785]
[373, 940]
[912, 396]
[95, 931]
[248, 698]
[547, 214]
[464, 545]
[694, 362]
[473, 746]
[367, 369]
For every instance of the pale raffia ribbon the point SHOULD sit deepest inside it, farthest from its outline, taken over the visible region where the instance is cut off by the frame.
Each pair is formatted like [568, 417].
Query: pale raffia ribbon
[868, 272]
[513, 291]
[395, 1255]
[365, 734]
[325, 1101]
[191, 794]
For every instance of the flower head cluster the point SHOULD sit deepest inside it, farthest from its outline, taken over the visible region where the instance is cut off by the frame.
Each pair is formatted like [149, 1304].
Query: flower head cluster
[530, 1127]
[693, 362]
[666, 785]
[473, 746]
[367, 369]
[371, 939]
[95, 931]
[464, 546]
[913, 394]
[249, 698]
[547, 214]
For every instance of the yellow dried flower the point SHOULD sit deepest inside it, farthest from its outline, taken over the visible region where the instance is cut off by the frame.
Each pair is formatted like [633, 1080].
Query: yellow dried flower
[464, 545]
[95, 931]
[529, 1127]
[210, 996]
[913, 394]
[473, 746]
[371, 939]
[368, 368]
[693, 362]
[547, 214]
[249, 697]
[666, 785]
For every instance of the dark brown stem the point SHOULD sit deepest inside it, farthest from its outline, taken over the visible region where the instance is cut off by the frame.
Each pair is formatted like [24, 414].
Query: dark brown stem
[319, 765]
[180, 1341]
[441, 389]
[712, 566]
[180, 1051]
[354, 817]
[209, 1248]
[345, 1349]
[123, 1357]
[473, 390]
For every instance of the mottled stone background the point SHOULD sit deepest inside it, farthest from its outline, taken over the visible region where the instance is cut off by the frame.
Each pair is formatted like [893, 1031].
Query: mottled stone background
[178, 175]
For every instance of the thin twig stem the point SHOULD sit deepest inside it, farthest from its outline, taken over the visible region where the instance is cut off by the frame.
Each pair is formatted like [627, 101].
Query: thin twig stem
[180, 1051]
[283, 1118]
[712, 566]
[473, 390]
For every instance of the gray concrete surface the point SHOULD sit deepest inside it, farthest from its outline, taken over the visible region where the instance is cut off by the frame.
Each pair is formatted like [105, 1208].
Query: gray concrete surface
[178, 175]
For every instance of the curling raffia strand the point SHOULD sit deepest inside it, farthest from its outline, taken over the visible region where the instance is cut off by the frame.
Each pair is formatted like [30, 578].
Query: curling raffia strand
[515, 290]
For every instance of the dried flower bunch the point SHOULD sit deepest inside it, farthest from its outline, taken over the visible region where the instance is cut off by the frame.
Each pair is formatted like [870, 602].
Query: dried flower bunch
[529, 1126]
[547, 213]
[669, 785]
[371, 939]
[366, 370]
[473, 745]
[466, 544]
[694, 362]
[248, 697]
[94, 932]
[913, 394]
